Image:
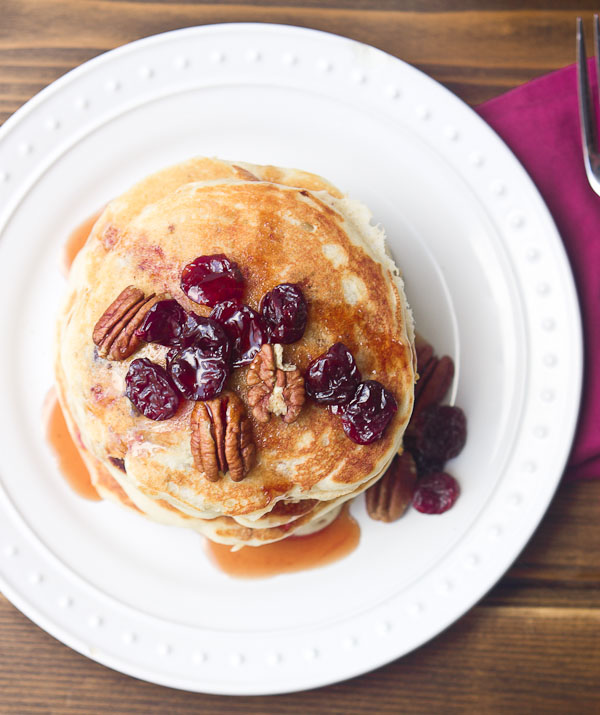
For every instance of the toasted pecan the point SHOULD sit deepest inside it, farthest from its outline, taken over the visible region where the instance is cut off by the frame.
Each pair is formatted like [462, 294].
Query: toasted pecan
[221, 439]
[114, 333]
[425, 353]
[274, 387]
[390, 496]
[436, 384]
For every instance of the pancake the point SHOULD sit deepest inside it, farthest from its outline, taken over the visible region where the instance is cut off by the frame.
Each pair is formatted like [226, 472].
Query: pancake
[278, 225]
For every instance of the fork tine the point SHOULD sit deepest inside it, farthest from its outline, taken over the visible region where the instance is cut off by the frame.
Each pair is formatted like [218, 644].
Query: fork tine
[597, 48]
[586, 110]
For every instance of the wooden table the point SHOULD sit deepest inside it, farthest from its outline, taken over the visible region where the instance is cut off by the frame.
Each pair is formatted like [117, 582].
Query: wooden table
[533, 643]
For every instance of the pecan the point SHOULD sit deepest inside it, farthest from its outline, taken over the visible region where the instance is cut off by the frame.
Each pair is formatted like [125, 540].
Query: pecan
[222, 438]
[388, 498]
[425, 353]
[435, 385]
[114, 333]
[274, 387]
[424, 375]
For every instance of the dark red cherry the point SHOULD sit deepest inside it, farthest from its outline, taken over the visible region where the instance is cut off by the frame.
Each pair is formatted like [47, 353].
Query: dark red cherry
[163, 323]
[284, 313]
[208, 336]
[244, 327]
[332, 378]
[427, 465]
[441, 432]
[435, 493]
[208, 280]
[167, 323]
[172, 353]
[199, 369]
[151, 390]
[198, 375]
[369, 412]
[206, 333]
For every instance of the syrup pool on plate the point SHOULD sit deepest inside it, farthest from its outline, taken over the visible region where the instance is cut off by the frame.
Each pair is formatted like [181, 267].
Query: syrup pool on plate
[296, 553]
[76, 241]
[68, 455]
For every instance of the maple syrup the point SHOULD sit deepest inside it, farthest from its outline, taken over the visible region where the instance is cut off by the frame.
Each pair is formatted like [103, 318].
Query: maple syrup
[296, 553]
[67, 453]
[76, 242]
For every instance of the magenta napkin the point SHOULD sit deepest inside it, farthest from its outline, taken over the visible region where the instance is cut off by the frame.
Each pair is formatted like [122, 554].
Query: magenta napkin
[539, 122]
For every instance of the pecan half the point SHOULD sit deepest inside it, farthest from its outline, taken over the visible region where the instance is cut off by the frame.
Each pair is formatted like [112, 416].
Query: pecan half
[114, 333]
[435, 385]
[424, 352]
[424, 375]
[274, 387]
[222, 438]
[388, 498]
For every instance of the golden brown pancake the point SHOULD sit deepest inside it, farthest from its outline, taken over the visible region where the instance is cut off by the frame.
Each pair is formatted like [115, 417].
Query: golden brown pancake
[279, 226]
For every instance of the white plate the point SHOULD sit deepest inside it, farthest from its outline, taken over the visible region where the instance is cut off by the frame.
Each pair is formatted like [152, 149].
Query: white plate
[485, 272]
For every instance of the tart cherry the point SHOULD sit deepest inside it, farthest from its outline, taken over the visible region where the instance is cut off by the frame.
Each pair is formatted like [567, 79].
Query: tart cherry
[200, 369]
[197, 330]
[435, 493]
[369, 412]
[332, 378]
[163, 323]
[284, 312]
[151, 390]
[244, 327]
[208, 280]
[198, 376]
[426, 465]
[441, 432]
[167, 323]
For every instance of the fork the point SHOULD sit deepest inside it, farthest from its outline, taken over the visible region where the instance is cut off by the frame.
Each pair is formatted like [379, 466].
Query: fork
[587, 115]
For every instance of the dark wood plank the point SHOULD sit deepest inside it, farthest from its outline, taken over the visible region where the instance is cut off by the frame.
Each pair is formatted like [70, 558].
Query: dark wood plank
[476, 54]
[496, 659]
[404, 5]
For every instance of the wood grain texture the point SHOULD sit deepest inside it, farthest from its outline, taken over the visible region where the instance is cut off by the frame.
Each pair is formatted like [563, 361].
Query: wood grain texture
[533, 643]
[476, 53]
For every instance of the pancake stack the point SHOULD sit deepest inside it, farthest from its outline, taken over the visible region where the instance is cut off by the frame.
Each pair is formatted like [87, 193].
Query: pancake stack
[279, 226]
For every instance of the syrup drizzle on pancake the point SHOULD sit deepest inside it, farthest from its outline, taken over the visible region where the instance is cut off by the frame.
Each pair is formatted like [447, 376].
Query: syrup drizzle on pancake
[70, 462]
[296, 553]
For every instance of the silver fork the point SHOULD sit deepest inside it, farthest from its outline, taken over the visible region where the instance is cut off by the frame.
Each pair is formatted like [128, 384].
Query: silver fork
[587, 115]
